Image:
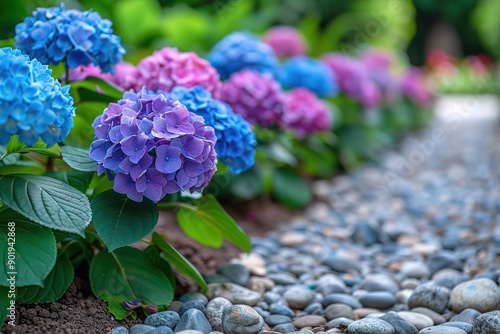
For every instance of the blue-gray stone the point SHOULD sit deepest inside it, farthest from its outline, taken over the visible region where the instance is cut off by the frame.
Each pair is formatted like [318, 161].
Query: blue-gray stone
[272, 297]
[378, 299]
[370, 326]
[216, 307]
[401, 326]
[119, 330]
[191, 305]
[442, 330]
[264, 314]
[365, 234]
[282, 278]
[193, 295]
[340, 323]
[462, 325]
[140, 329]
[487, 323]
[193, 319]
[216, 278]
[341, 298]
[301, 332]
[444, 260]
[284, 328]
[298, 297]
[281, 309]
[481, 294]
[241, 319]
[380, 282]
[431, 296]
[161, 330]
[468, 316]
[340, 264]
[237, 273]
[277, 319]
[314, 309]
[164, 318]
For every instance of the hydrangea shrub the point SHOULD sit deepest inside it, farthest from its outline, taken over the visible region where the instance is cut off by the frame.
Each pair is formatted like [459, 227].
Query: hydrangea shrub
[242, 51]
[305, 114]
[235, 139]
[308, 73]
[167, 68]
[33, 105]
[53, 35]
[152, 146]
[285, 41]
[257, 97]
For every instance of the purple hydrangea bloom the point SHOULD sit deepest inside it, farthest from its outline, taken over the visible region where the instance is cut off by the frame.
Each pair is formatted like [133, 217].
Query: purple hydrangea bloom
[242, 50]
[306, 114]
[378, 64]
[153, 146]
[352, 78]
[168, 67]
[414, 86]
[285, 41]
[308, 73]
[53, 35]
[235, 139]
[257, 97]
[32, 103]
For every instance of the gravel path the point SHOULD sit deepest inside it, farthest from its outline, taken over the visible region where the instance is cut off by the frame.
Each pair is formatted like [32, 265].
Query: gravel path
[410, 246]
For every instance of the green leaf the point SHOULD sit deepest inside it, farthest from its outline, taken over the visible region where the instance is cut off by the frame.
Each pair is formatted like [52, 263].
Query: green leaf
[86, 95]
[119, 221]
[46, 201]
[209, 224]
[115, 306]
[15, 146]
[177, 260]
[153, 253]
[35, 250]
[248, 184]
[107, 87]
[78, 158]
[290, 189]
[33, 168]
[129, 274]
[54, 285]
[76, 179]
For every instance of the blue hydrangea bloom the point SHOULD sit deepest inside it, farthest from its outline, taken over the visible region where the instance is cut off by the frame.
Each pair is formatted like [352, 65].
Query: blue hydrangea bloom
[32, 103]
[53, 35]
[242, 50]
[308, 73]
[235, 139]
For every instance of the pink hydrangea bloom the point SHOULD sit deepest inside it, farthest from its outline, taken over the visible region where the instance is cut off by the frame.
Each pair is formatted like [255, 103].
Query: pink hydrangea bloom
[125, 74]
[285, 41]
[257, 97]
[305, 113]
[378, 64]
[414, 86]
[168, 68]
[353, 79]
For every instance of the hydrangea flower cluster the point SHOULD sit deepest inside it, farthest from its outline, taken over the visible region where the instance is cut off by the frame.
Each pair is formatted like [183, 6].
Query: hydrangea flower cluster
[308, 73]
[255, 96]
[378, 65]
[125, 75]
[242, 50]
[413, 86]
[305, 114]
[153, 146]
[285, 41]
[32, 103]
[235, 139]
[53, 35]
[353, 79]
[167, 68]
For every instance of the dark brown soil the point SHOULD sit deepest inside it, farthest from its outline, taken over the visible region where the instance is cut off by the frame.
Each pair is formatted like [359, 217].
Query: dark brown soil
[79, 312]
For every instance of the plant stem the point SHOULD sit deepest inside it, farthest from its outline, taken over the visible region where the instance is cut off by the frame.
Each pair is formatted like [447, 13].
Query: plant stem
[66, 76]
